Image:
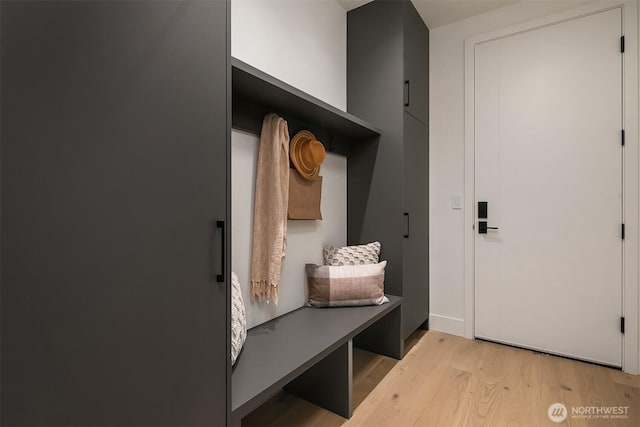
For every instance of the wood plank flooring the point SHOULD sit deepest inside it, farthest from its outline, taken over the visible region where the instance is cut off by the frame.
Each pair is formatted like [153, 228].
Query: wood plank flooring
[446, 380]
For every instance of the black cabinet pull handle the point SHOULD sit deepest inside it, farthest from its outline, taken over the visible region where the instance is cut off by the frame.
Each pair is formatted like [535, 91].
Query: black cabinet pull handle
[407, 92]
[406, 235]
[220, 277]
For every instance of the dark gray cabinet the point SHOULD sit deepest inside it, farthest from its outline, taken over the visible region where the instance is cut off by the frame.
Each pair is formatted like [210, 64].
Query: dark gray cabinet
[416, 64]
[415, 248]
[387, 85]
[114, 157]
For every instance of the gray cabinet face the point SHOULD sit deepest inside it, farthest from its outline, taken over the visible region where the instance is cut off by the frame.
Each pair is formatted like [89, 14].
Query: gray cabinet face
[416, 64]
[113, 172]
[387, 42]
[415, 253]
[374, 57]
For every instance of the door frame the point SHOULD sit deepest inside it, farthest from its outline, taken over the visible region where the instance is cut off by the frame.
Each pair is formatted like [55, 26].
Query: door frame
[631, 187]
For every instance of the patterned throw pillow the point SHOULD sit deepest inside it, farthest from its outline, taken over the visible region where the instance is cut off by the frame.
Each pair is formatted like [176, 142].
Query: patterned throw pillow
[238, 319]
[346, 285]
[352, 255]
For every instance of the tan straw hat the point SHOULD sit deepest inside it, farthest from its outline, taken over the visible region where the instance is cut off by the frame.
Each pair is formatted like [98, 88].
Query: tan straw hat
[307, 154]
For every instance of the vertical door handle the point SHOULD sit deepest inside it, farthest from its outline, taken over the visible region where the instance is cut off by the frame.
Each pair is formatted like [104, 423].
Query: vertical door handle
[220, 277]
[406, 234]
[407, 93]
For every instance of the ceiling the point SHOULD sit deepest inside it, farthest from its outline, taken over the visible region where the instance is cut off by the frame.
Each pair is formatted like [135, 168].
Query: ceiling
[437, 13]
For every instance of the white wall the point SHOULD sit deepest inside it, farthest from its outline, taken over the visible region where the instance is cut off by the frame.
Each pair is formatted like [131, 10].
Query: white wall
[446, 154]
[448, 307]
[305, 239]
[302, 42]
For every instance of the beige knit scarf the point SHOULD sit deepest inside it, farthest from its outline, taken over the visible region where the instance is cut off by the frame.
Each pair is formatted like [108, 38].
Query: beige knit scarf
[270, 214]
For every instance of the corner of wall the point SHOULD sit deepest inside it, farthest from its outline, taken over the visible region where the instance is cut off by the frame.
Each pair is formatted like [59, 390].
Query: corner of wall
[446, 324]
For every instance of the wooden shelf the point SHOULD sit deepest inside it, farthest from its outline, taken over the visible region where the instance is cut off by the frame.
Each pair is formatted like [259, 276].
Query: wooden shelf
[255, 92]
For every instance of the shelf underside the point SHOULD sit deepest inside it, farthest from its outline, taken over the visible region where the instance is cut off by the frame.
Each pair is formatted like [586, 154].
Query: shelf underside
[256, 94]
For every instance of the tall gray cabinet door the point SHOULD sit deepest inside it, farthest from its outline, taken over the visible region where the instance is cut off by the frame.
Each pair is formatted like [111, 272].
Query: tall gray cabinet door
[113, 174]
[415, 255]
[416, 64]
[374, 56]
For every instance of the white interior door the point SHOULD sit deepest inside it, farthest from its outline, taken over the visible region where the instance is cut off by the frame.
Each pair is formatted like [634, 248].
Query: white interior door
[548, 114]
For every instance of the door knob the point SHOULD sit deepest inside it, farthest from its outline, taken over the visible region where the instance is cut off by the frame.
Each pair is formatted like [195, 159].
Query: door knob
[482, 227]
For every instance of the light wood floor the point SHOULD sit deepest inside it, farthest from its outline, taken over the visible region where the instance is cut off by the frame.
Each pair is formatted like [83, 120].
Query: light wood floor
[446, 380]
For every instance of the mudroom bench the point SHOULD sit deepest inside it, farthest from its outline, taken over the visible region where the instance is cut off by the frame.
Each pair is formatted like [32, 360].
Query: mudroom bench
[308, 352]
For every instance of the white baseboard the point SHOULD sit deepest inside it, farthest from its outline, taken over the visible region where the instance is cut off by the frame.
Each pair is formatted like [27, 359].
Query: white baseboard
[448, 325]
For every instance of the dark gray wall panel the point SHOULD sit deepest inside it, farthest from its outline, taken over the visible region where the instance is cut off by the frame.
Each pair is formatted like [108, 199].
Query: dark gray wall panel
[114, 147]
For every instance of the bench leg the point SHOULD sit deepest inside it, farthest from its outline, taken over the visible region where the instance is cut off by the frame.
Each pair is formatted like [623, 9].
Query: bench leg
[328, 382]
[383, 337]
[425, 325]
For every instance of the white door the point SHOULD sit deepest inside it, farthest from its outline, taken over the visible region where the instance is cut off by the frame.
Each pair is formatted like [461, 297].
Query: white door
[548, 162]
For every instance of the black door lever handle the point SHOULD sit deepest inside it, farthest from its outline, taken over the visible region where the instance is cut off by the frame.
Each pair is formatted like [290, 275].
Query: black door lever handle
[482, 227]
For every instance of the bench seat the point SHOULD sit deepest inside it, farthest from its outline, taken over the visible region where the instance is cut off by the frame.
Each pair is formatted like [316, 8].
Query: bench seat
[309, 353]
